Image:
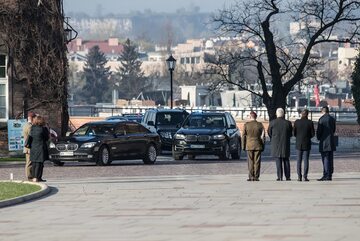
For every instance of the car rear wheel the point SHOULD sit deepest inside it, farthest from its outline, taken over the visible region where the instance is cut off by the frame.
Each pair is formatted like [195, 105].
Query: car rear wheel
[225, 155]
[104, 157]
[150, 155]
[191, 157]
[176, 156]
[58, 163]
[236, 155]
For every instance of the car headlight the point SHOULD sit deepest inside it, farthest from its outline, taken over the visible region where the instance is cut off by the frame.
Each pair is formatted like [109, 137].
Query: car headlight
[88, 145]
[179, 136]
[218, 137]
[52, 145]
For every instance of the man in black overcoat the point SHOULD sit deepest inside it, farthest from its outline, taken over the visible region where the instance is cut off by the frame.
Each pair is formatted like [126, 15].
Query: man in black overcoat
[325, 134]
[280, 132]
[303, 131]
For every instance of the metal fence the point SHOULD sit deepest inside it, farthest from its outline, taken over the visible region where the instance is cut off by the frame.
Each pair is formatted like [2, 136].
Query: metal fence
[239, 113]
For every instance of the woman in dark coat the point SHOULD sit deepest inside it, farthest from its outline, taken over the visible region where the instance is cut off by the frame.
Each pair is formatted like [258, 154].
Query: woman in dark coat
[38, 150]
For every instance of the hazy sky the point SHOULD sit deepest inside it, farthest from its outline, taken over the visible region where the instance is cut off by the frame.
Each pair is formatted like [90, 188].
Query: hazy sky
[91, 7]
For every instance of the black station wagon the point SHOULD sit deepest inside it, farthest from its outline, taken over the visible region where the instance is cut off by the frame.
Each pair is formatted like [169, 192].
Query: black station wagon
[104, 141]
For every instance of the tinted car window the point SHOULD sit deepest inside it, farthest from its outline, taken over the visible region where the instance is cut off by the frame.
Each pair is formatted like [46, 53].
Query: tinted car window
[132, 128]
[205, 121]
[120, 129]
[174, 119]
[81, 131]
[90, 130]
[143, 130]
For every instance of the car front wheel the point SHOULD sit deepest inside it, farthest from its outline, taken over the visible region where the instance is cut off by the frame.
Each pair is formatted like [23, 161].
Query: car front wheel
[150, 155]
[104, 157]
[225, 155]
[236, 155]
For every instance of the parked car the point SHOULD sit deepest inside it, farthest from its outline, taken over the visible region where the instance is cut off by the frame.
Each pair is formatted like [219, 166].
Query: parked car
[165, 122]
[204, 133]
[131, 117]
[104, 141]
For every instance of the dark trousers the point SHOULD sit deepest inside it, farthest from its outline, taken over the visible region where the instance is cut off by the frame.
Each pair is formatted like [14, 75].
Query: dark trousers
[254, 162]
[279, 167]
[37, 169]
[328, 163]
[300, 155]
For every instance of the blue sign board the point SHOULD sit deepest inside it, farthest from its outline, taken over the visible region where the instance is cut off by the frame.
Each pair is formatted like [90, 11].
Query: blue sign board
[15, 137]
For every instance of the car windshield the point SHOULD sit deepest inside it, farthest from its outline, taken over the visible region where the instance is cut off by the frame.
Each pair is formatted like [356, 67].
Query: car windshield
[171, 119]
[205, 121]
[91, 130]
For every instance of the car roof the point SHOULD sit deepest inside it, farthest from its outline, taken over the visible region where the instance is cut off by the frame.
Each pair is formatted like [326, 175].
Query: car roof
[208, 113]
[104, 122]
[169, 110]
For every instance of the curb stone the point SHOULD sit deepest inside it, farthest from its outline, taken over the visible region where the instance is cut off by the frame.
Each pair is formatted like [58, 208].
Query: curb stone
[13, 201]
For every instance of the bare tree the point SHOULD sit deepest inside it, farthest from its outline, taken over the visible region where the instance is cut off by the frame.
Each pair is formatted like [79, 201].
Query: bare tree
[282, 61]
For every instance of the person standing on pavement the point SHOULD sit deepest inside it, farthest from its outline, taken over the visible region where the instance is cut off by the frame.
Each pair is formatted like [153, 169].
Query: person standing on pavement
[253, 140]
[303, 131]
[25, 133]
[280, 131]
[325, 134]
[39, 150]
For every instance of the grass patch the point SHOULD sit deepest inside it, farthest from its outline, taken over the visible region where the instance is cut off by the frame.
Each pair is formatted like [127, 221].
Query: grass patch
[10, 190]
[12, 159]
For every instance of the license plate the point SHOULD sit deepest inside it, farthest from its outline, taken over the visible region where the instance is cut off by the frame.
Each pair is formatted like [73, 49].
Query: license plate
[197, 146]
[68, 153]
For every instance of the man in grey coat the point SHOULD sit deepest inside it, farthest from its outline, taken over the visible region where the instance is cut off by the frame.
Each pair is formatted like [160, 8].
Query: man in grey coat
[280, 131]
[325, 134]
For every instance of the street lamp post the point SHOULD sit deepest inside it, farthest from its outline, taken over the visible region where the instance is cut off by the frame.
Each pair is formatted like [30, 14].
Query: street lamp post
[171, 61]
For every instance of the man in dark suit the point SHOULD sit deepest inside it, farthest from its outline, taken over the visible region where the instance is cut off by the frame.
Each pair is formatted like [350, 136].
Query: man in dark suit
[303, 131]
[253, 140]
[325, 134]
[280, 131]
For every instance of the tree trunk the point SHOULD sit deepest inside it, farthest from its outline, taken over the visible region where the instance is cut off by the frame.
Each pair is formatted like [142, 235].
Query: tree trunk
[278, 100]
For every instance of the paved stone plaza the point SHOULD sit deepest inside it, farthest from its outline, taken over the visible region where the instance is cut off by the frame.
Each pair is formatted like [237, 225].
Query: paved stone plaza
[206, 207]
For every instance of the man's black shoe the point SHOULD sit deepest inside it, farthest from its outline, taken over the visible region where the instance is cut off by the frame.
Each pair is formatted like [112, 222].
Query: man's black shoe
[256, 179]
[306, 179]
[299, 179]
[279, 179]
[322, 179]
[249, 180]
[288, 179]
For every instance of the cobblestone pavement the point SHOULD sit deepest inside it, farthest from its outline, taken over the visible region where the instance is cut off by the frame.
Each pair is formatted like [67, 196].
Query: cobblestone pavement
[203, 165]
[201, 208]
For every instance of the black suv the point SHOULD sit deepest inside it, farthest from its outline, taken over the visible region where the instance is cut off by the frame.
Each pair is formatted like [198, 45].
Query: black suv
[165, 122]
[204, 133]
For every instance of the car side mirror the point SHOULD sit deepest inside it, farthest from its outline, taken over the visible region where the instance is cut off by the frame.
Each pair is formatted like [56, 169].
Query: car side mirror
[69, 133]
[151, 123]
[232, 126]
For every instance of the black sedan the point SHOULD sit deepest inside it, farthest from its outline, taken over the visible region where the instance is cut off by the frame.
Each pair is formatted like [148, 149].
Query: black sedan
[207, 133]
[104, 141]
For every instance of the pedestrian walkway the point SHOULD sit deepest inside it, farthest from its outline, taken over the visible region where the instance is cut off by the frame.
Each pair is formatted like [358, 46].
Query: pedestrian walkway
[198, 208]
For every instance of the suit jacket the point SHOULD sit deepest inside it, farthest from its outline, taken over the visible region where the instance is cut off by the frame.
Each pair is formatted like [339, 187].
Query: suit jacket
[25, 134]
[280, 131]
[304, 131]
[325, 133]
[253, 137]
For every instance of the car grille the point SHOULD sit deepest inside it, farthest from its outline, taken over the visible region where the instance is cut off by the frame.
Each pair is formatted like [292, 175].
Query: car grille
[67, 147]
[193, 138]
